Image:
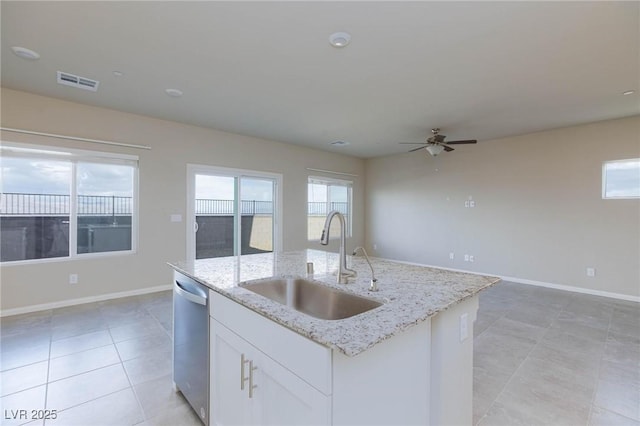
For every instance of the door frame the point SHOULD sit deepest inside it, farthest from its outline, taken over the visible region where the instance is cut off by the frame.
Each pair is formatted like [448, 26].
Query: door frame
[194, 169]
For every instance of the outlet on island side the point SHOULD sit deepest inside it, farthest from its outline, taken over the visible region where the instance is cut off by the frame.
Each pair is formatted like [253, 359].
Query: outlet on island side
[464, 327]
[73, 278]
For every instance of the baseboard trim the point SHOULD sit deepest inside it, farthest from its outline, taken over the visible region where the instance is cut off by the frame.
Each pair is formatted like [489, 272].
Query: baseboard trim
[570, 288]
[79, 301]
[574, 289]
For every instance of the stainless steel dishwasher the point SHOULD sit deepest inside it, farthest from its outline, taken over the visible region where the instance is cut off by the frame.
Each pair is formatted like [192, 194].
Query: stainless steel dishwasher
[191, 343]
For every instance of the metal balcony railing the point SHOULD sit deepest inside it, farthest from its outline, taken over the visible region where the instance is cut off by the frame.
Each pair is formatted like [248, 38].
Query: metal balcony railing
[23, 204]
[210, 207]
[323, 208]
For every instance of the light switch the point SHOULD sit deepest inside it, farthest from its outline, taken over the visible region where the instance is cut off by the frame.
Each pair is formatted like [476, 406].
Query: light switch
[176, 218]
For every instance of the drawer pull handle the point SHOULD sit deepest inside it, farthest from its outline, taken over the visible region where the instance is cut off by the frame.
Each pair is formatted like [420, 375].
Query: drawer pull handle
[251, 385]
[243, 379]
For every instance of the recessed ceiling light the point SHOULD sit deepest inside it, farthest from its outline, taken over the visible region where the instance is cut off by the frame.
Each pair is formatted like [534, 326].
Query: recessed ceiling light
[339, 143]
[25, 53]
[339, 39]
[174, 93]
[629, 92]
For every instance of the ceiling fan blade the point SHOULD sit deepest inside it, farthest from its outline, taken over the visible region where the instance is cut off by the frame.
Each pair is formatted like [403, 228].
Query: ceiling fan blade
[412, 143]
[447, 148]
[462, 142]
[416, 149]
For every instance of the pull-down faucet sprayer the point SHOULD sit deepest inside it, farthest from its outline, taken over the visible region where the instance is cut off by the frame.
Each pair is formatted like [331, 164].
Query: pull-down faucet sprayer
[374, 281]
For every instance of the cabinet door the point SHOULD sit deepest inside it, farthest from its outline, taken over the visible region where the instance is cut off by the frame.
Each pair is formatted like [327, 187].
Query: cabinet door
[282, 398]
[279, 397]
[230, 404]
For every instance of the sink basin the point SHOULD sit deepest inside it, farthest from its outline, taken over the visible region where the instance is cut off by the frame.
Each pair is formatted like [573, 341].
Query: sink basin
[312, 298]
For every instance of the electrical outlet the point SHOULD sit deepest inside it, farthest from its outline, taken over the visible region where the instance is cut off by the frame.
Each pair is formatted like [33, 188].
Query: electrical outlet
[466, 203]
[471, 258]
[73, 278]
[451, 256]
[466, 257]
[464, 327]
[591, 272]
[472, 203]
[375, 247]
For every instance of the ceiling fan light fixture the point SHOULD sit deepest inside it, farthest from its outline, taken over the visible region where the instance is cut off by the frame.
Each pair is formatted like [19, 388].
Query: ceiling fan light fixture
[434, 150]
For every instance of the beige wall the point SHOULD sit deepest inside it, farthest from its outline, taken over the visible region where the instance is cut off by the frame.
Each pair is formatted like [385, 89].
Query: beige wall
[162, 192]
[539, 214]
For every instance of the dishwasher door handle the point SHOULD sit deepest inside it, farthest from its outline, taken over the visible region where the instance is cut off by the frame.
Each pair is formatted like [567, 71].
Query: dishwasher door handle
[195, 298]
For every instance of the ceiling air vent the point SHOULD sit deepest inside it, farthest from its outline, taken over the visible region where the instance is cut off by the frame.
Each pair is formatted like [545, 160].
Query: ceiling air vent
[77, 81]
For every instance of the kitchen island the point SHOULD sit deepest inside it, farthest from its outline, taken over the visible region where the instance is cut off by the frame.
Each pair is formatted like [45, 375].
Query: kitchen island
[409, 361]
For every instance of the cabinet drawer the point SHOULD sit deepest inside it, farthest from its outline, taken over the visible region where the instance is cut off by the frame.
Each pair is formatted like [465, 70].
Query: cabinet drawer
[308, 360]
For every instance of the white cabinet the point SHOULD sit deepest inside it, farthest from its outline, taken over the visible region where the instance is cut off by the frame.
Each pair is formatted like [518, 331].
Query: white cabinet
[403, 380]
[249, 386]
[229, 402]
[285, 399]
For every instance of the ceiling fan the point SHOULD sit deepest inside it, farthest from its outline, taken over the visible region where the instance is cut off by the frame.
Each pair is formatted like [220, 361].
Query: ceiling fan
[436, 144]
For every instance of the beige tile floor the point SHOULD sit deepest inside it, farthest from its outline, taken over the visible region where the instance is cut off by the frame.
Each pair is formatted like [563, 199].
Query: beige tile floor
[105, 363]
[549, 357]
[542, 356]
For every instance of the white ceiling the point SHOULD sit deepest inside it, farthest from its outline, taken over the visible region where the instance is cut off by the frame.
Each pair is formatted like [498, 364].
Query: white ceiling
[480, 70]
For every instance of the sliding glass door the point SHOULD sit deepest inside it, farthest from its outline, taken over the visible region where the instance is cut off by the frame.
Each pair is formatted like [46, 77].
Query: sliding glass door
[231, 212]
[215, 212]
[257, 215]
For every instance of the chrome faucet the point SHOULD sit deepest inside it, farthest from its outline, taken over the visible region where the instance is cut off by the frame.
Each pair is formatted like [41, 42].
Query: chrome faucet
[343, 272]
[373, 286]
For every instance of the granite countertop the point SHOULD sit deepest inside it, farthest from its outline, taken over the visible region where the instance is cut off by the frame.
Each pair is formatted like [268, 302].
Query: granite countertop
[409, 293]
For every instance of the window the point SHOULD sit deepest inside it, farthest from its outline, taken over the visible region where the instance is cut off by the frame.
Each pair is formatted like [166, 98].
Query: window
[621, 179]
[324, 195]
[65, 203]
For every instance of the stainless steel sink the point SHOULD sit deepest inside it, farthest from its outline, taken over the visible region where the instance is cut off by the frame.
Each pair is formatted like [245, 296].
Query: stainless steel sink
[312, 298]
